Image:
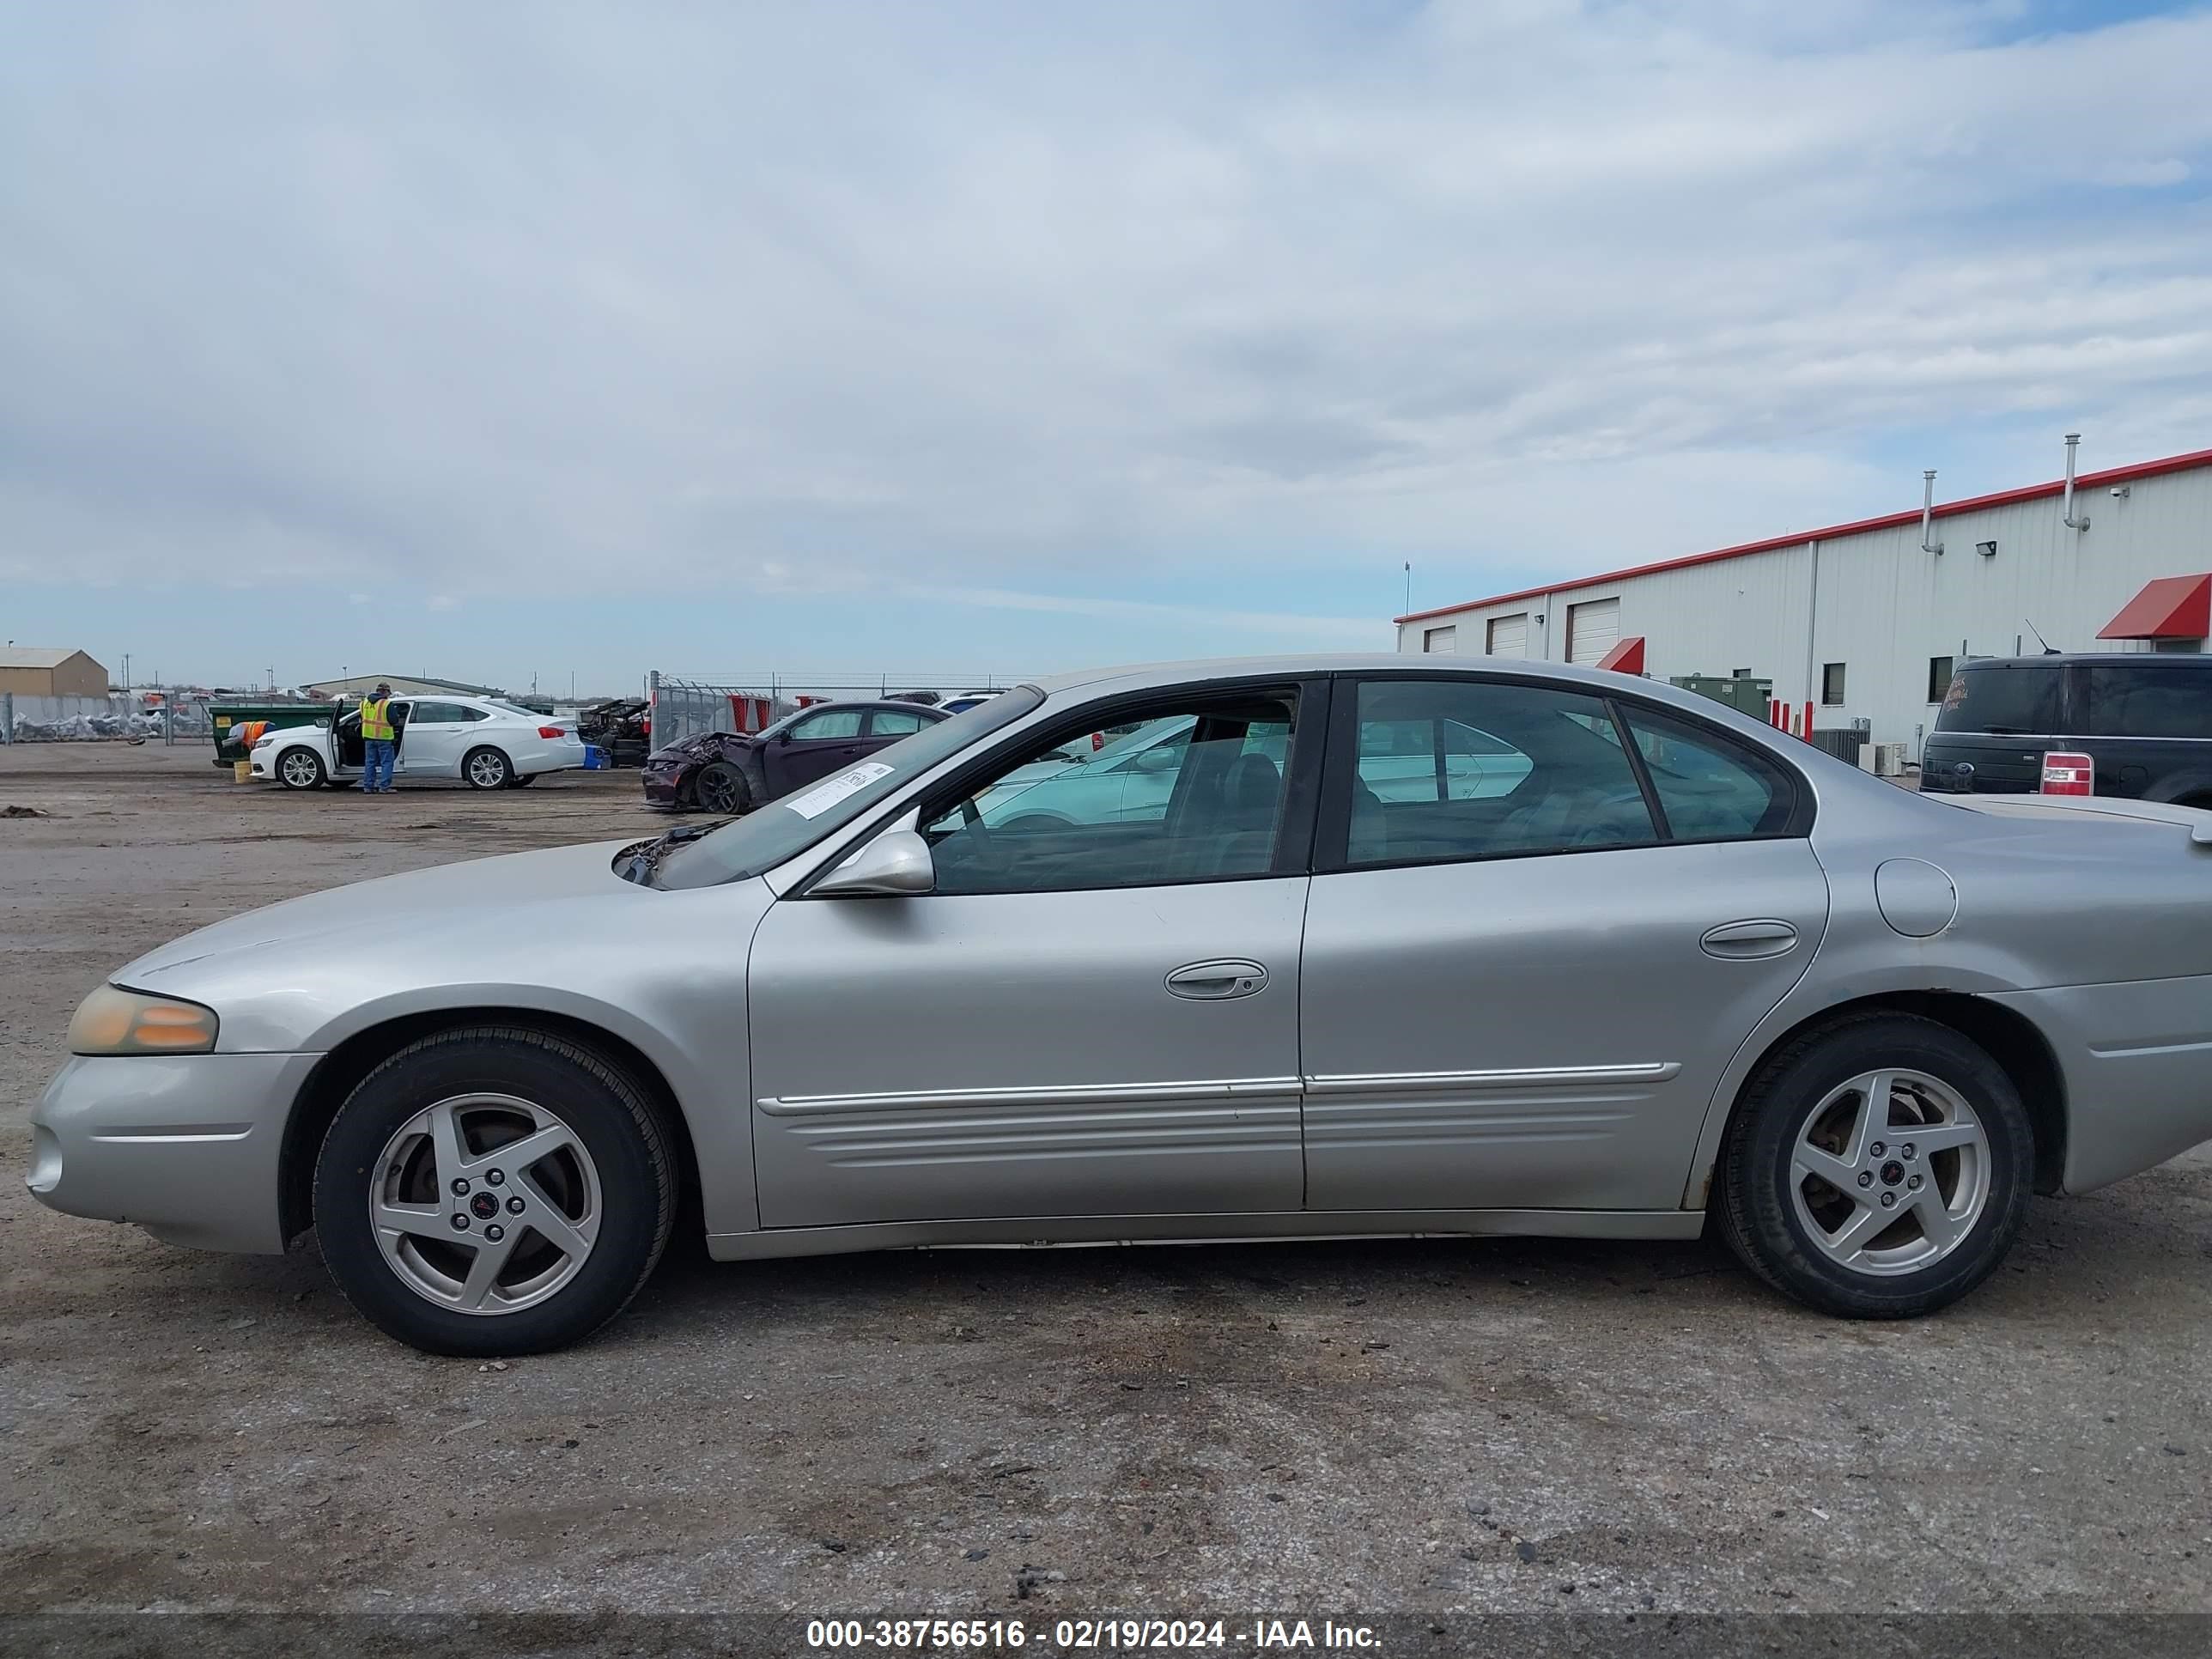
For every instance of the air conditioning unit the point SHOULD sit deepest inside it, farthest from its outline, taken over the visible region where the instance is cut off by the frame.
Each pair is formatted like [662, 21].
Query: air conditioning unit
[1889, 760]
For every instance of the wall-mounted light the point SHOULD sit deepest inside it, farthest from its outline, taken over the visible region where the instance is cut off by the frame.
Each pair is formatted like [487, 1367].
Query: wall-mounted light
[1987, 549]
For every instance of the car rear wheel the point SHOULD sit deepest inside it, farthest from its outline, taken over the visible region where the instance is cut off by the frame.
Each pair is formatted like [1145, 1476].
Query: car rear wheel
[1877, 1169]
[487, 767]
[494, 1190]
[300, 768]
[721, 787]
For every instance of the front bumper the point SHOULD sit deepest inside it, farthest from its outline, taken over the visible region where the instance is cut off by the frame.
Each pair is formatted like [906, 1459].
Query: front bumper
[662, 789]
[188, 1146]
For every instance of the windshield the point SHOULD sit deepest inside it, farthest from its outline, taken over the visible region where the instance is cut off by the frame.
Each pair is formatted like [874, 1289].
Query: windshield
[783, 829]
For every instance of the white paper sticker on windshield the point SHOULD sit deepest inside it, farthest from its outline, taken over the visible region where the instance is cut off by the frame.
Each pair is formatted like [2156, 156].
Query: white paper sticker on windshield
[823, 796]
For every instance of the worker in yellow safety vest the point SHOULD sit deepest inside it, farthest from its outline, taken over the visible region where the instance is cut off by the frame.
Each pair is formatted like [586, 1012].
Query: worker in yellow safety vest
[379, 741]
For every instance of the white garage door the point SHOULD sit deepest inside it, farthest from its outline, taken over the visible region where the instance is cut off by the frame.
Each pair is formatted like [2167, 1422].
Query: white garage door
[1441, 639]
[1593, 629]
[1508, 635]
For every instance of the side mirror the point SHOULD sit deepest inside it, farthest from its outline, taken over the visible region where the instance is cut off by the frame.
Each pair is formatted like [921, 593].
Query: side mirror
[895, 862]
[1158, 760]
[784, 736]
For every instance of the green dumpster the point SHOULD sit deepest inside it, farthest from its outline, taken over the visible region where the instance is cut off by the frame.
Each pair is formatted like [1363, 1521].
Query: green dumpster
[236, 724]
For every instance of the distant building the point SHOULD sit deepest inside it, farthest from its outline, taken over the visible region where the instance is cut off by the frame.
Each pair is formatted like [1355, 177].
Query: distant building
[1868, 621]
[41, 671]
[406, 685]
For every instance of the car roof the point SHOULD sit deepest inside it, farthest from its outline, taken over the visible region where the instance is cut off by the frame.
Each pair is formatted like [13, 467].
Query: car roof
[867, 703]
[2060, 658]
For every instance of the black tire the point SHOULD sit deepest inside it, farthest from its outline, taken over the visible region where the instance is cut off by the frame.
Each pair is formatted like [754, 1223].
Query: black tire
[1756, 1202]
[340, 783]
[720, 787]
[522, 779]
[298, 767]
[609, 1117]
[486, 768]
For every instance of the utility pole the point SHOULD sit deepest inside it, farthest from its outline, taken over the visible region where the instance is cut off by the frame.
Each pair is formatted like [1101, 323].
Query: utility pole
[1409, 589]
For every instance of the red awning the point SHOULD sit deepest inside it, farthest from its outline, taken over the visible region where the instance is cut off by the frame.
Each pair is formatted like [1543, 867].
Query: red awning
[2171, 608]
[1627, 657]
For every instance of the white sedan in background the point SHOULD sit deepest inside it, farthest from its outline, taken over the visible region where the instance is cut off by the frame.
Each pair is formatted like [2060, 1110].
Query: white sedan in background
[485, 743]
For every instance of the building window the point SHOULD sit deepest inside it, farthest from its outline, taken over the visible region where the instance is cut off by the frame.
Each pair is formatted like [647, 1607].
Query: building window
[1939, 678]
[1440, 638]
[1832, 684]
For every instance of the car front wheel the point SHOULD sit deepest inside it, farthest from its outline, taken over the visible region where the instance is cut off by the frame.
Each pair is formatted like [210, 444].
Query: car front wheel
[494, 1190]
[1877, 1169]
[300, 768]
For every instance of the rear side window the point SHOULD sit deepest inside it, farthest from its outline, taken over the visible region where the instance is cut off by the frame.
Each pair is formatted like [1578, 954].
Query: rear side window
[895, 723]
[2008, 702]
[2126, 701]
[1709, 788]
[1457, 769]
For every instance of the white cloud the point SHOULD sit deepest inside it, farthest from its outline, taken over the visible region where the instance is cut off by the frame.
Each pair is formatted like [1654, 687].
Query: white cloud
[995, 301]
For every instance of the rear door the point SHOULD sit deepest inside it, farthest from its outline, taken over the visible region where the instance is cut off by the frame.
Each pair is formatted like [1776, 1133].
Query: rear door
[1522, 995]
[435, 734]
[1997, 721]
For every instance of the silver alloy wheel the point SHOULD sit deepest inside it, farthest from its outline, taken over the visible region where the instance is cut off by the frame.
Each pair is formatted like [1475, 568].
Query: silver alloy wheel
[488, 768]
[1890, 1172]
[485, 1203]
[299, 770]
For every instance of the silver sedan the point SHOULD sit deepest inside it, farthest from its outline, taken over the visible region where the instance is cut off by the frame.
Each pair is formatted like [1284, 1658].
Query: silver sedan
[1646, 964]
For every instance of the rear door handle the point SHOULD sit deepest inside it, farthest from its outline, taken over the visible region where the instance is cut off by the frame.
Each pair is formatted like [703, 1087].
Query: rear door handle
[1214, 982]
[1749, 941]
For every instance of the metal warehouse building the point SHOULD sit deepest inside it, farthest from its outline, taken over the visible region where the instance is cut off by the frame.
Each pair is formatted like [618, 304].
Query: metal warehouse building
[1866, 621]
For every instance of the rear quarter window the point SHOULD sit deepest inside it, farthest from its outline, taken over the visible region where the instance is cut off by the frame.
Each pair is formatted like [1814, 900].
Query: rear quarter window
[2123, 701]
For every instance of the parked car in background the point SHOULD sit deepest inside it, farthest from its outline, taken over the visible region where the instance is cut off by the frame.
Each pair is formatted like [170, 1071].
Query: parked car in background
[484, 742]
[730, 772]
[1670, 968]
[2143, 718]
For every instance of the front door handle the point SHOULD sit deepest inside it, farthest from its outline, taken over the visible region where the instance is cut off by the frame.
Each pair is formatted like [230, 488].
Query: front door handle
[1749, 941]
[1213, 982]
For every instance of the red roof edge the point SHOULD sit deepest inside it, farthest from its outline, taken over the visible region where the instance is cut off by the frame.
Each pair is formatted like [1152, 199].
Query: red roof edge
[2196, 458]
[2168, 608]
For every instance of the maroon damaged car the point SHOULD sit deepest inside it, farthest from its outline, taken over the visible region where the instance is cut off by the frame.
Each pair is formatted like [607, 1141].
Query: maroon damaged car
[732, 772]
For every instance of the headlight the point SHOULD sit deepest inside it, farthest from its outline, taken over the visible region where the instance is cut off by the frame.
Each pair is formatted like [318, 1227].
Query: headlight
[114, 1021]
[264, 740]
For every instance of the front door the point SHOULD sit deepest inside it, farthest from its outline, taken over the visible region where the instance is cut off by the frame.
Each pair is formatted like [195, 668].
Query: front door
[813, 746]
[1520, 989]
[1085, 1018]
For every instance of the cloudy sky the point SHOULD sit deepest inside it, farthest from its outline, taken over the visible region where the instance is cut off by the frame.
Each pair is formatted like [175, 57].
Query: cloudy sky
[512, 340]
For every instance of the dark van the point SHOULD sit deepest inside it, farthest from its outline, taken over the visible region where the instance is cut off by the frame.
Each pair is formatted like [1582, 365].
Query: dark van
[2144, 718]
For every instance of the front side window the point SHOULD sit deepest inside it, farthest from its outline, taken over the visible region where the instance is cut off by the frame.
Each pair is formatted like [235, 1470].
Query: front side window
[1457, 769]
[2127, 702]
[1709, 788]
[2002, 700]
[1196, 795]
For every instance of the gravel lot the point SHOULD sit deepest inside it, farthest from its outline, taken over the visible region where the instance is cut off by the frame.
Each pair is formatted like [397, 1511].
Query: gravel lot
[1378, 1428]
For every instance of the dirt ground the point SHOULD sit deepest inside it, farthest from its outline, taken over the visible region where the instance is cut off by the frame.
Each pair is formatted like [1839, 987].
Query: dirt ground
[1379, 1428]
